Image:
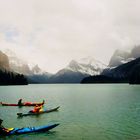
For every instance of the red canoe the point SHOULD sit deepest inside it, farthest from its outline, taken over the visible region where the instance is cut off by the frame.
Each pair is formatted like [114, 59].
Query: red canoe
[24, 104]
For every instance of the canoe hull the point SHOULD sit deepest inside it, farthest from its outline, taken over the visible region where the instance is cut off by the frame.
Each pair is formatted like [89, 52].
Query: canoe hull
[46, 111]
[25, 104]
[17, 131]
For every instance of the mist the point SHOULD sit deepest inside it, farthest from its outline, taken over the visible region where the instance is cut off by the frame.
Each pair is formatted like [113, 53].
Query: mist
[51, 33]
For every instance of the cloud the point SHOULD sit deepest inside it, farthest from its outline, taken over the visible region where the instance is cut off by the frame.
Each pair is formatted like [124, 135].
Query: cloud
[51, 33]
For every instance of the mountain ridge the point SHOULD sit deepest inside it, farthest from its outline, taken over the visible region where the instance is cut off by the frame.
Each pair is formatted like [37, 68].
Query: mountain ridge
[124, 73]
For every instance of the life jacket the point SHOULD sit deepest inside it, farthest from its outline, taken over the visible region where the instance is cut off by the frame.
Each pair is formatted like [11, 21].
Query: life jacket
[37, 109]
[4, 131]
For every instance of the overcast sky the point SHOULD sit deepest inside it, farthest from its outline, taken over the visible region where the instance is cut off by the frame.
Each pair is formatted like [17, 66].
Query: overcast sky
[52, 32]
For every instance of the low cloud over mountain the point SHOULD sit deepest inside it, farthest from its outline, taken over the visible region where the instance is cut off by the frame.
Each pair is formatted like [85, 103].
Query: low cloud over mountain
[120, 57]
[18, 65]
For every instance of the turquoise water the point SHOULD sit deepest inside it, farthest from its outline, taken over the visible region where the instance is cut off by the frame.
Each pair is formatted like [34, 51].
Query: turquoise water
[87, 112]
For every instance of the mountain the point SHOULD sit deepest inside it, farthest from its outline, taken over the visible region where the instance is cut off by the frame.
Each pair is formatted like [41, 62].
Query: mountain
[121, 57]
[73, 73]
[135, 52]
[6, 76]
[66, 76]
[135, 75]
[33, 73]
[86, 65]
[128, 72]
[123, 67]
[77, 70]
[39, 78]
[18, 65]
[101, 79]
[36, 70]
[4, 61]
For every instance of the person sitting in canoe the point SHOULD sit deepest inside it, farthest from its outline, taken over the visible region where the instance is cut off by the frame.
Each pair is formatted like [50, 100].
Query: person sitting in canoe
[4, 130]
[20, 102]
[37, 108]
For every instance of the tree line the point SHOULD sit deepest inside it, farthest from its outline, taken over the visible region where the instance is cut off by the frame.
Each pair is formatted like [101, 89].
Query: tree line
[10, 78]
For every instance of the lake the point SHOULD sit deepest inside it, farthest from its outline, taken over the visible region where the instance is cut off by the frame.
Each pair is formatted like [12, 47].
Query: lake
[87, 112]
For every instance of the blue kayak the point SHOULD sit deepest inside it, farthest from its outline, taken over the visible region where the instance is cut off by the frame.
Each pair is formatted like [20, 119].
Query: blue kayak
[25, 130]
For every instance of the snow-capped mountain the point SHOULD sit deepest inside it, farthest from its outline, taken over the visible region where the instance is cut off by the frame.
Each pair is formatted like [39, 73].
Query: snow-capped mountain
[77, 70]
[124, 73]
[86, 65]
[74, 72]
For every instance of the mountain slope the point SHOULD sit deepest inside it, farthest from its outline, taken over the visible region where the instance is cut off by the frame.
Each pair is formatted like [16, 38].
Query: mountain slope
[87, 65]
[121, 57]
[73, 73]
[6, 76]
[4, 61]
[122, 71]
[77, 70]
[120, 74]
[135, 75]
[67, 76]
[18, 65]
[39, 78]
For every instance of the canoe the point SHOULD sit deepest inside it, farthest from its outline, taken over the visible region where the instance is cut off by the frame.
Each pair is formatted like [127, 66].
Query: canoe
[24, 104]
[42, 112]
[17, 131]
